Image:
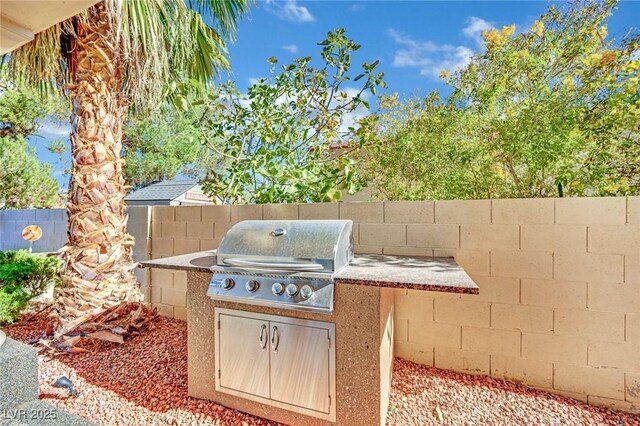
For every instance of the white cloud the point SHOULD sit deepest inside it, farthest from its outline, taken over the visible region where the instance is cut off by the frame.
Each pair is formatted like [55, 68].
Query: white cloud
[356, 8]
[53, 128]
[475, 27]
[291, 48]
[253, 80]
[289, 10]
[429, 57]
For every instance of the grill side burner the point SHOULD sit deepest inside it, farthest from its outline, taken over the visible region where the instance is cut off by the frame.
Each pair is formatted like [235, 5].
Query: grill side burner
[284, 264]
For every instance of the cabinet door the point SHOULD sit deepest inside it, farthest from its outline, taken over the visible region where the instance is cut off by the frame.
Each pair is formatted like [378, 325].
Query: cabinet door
[300, 366]
[243, 363]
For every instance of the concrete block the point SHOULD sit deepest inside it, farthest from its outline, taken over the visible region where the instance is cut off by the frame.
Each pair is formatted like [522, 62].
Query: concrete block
[490, 340]
[435, 334]
[475, 262]
[521, 264]
[496, 290]
[173, 297]
[312, 211]
[614, 404]
[174, 230]
[536, 319]
[633, 210]
[164, 310]
[162, 247]
[614, 239]
[209, 244]
[163, 213]
[360, 249]
[221, 229]
[470, 362]
[180, 280]
[181, 246]
[216, 213]
[589, 267]
[463, 211]
[549, 347]
[605, 382]
[280, 211]
[528, 371]
[416, 305]
[188, 213]
[18, 374]
[408, 251]
[409, 212]
[161, 278]
[523, 211]
[624, 356]
[156, 229]
[554, 238]
[462, 312]
[180, 313]
[246, 212]
[400, 330]
[413, 352]
[632, 388]
[632, 328]
[557, 294]
[385, 235]
[362, 212]
[591, 210]
[621, 297]
[488, 237]
[200, 230]
[593, 325]
[632, 269]
[433, 236]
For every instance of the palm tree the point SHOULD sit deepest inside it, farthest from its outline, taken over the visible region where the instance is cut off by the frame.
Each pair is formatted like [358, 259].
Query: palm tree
[118, 56]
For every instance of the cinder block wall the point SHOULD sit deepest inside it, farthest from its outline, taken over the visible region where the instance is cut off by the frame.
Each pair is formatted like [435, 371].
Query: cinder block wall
[559, 303]
[54, 233]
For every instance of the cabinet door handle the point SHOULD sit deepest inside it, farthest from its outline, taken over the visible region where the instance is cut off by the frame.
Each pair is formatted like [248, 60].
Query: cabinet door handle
[263, 337]
[275, 338]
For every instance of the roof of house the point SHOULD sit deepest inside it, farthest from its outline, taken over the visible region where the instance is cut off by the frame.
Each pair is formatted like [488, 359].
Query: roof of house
[165, 190]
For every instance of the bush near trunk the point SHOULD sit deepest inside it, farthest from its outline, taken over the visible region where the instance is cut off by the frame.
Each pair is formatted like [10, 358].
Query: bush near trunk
[23, 276]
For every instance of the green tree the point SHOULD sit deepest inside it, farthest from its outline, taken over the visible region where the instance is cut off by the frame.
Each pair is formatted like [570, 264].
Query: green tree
[555, 106]
[24, 181]
[163, 146]
[288, 139]
[118, 55]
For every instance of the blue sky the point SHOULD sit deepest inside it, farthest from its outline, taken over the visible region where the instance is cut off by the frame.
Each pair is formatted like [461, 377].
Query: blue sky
[413, 40]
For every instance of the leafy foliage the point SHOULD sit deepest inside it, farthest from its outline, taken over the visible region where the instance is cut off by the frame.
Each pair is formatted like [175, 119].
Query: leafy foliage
[23, 276]
[288, 138]
[163, 146]
[556, 106]
[24, 180]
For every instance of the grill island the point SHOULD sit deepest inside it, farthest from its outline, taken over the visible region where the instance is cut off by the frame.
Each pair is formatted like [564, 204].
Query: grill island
[291, 327]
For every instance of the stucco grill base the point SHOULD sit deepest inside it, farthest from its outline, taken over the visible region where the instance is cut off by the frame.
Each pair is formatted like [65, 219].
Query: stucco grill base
[363, 318]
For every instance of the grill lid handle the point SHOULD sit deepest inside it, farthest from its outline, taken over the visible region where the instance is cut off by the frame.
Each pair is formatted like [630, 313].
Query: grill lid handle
[293, 266]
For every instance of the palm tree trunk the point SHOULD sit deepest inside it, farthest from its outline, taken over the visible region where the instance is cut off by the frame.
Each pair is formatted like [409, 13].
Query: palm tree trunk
[98, 268]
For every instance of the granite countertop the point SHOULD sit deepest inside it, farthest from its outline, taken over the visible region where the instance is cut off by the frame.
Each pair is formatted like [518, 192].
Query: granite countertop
[417, 273]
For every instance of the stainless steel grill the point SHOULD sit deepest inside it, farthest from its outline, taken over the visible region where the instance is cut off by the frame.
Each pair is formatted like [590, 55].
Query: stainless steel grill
[285, 264]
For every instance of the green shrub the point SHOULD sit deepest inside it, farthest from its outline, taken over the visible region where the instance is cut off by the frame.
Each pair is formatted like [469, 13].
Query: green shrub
[23, 276]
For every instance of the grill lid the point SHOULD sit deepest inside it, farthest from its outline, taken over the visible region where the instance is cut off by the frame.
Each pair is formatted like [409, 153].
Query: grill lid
[294, 245]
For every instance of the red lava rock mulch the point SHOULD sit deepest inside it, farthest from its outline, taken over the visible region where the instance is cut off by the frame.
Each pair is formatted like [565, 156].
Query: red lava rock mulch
[144, 382]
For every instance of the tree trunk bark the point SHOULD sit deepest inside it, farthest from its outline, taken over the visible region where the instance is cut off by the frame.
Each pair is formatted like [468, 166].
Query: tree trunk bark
[98, 268]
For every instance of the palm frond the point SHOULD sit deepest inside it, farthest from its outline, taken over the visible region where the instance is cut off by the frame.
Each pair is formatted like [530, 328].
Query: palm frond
[158, 42]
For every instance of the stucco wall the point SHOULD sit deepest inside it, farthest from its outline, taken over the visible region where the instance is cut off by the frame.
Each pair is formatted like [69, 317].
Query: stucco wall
[559, 303]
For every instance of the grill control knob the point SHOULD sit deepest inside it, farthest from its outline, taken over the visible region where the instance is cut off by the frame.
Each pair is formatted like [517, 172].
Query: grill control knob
[292, 290]
[252, 285]
[227, 283]
[306, 291]
[277, 289]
